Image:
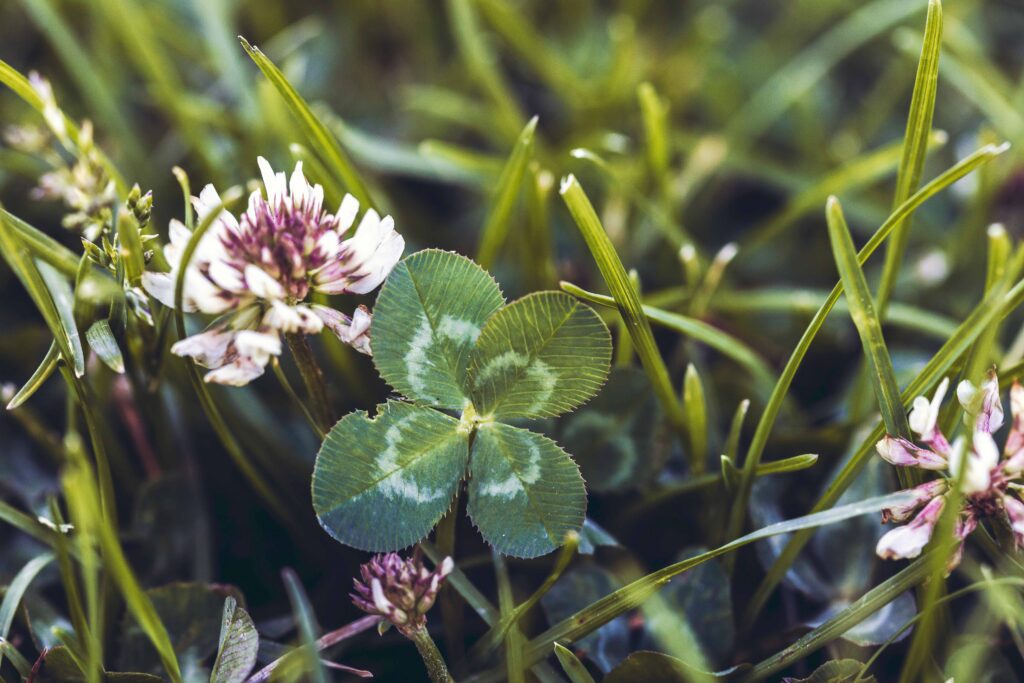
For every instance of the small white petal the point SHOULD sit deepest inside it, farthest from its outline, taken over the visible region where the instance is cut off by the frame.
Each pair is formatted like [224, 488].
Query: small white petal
[209, 348]
[261, 284]
[238, 373]
[258, 346]
[347, 213]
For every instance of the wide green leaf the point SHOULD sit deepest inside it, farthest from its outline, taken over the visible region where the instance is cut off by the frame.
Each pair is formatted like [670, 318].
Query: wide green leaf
[239, 643]
[541, 356]
[382, 484]
[101, 340]
[525, 492]
[427, 319]
[615, 438]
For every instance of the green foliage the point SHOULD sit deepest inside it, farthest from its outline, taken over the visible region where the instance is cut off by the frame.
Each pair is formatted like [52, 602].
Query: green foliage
[442, 336]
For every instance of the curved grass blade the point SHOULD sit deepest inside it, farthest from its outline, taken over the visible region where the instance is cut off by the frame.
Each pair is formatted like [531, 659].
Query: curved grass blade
[572, 666]
[862, 311]
[771, 411]
[996, 305]
[495, 230]
[41, 374]
[16, 591]
[861, 609]
[626, 298]
[634, 594]
[851, 176]
[699, 330]
[317, 134]
[306, 620]
[42, 246]
[89, 518]
[231, 445]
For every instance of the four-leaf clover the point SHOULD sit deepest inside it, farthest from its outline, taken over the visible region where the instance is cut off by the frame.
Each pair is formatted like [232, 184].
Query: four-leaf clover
[443, 337]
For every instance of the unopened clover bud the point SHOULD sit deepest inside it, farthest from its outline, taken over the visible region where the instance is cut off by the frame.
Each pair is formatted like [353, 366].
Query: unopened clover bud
[400, 591]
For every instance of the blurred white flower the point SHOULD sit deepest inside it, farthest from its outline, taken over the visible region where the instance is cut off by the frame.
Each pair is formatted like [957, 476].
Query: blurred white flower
[257, 273]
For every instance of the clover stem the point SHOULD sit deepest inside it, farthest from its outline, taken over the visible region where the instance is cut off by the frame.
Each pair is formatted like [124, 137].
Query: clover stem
[432, 658]
[312, 377]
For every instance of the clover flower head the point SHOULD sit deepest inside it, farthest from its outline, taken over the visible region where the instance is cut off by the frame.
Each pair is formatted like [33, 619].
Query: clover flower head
[401, 591]
[257, 272]
[985, 474]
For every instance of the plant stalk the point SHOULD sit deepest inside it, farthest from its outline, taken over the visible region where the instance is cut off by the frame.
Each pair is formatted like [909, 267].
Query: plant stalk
[312, 377]
[432, 659]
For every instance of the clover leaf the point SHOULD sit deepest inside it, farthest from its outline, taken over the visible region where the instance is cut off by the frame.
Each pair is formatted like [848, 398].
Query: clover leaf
[443, 337]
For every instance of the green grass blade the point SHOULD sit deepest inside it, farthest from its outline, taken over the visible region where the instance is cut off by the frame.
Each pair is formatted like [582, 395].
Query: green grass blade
[861, 609]
[42, 246]
[793, 81]
[634, 594]
[626, 298]
[695, 406]
[16, 591]
[227, 439]
[572, 666]
[482, 65]
[317, 135]
[698, 330]
[83, 497]
[63, 301]
[850, 177]
[654, 112]
[807, 302]
[306, 621]
[862, 311]
[94, 89]
[995, 305]
[495, 231]
[915, 145]
[771, 411]
[38, 378]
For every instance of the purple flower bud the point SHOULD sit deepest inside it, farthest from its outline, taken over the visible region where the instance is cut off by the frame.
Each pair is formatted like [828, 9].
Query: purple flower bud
[1015, 513]
[401, 591]
[922, 494]
[903, 453]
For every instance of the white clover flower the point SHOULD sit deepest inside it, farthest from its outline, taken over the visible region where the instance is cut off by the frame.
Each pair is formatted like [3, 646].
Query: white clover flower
[984, 474]
[258, 271]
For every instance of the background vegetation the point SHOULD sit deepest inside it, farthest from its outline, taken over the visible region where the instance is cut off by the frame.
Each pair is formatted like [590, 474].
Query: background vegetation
[708, 135]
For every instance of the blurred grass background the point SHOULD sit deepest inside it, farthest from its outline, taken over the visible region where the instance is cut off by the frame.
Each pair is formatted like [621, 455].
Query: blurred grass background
[691, 124]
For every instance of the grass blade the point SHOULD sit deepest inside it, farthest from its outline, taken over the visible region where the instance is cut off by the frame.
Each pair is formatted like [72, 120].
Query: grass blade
[699, 330]
[696, 409]
[38, 378]
[306, 621]
[994, 306]
[231, 445]
[862, 311]
[771, 411]
[572, 666]
[16, 591]
[495, 231]
[83, 498]
[915, 145]
[626, 298]
[317, 135]
[864, 607]
[634, 594]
